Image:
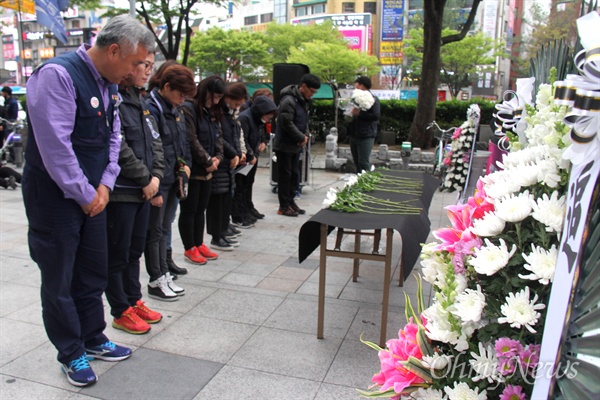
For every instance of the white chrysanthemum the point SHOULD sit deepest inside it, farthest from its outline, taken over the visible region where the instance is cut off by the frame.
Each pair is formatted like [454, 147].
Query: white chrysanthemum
[485, 364]
[490, 258]
[502, 188]
[514, 208]
[489, 225]
[462, 391]
[363, 99]
[550, 211]
[434, 271]
[427, 394]
[520, 311]
[542, 264]
[549, 173]
[461, 283]
[330, 198]
[436, 361]
[469, 305]
[525, 175]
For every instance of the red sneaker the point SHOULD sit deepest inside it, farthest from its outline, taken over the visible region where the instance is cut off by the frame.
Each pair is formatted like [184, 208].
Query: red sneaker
[205, 252]
[131, 323]
[145, 313]
[193, 256]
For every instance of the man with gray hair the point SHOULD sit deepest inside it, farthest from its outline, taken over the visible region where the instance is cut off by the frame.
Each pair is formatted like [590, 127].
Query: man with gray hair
[71, 166]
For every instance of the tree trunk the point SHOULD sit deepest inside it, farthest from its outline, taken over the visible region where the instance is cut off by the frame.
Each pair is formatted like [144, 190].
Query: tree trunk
[430, 73]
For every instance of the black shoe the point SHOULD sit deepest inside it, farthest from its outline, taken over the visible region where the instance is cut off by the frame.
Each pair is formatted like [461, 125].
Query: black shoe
[254, 212]
[250, 218]
[221, 244]
[295, 207]
[232, 242]
[243, 224]
[232, 232]
[287, 211]
[12, 182]
[173, 268]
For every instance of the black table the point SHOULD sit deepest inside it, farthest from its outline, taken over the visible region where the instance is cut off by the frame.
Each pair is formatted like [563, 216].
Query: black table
[414, 230]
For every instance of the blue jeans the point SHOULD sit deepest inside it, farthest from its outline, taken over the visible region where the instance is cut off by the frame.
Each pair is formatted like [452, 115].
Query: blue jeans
[361, 152]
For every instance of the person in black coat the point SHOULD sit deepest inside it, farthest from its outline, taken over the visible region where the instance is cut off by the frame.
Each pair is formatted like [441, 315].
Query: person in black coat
[253, 123]
[219, 205]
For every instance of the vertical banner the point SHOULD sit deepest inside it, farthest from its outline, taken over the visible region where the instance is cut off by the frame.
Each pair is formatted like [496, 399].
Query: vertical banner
[8, 47]
[583, 180]
[392, 32]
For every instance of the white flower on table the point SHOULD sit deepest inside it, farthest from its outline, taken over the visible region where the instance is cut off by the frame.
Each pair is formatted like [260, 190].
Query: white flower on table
[542, 264]
[330, 198]
[490, 258]
[550, 211]
[485, 364]
[462, 391]
[520, 311]
[352, 180]
[470, 305]
[489, 225]
[514, 208]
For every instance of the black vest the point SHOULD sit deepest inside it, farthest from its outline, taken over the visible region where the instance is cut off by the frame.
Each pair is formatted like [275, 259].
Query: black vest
[253, 137]
[93, 126]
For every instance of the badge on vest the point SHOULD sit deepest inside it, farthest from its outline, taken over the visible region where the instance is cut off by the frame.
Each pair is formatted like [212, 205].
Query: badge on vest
[155, 134]
[95, 102]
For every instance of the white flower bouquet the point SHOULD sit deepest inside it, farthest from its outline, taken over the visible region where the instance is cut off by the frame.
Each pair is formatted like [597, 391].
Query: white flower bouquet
[361, 99]
[491, 273]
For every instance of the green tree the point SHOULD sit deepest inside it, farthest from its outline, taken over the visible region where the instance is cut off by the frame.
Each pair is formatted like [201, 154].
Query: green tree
[175, 15]
[459, 60]
[432, 42]
[334, 61]
[281, 38]
[228, 52]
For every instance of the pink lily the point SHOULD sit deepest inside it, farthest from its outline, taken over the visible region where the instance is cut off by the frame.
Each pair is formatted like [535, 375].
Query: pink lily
[479, 202]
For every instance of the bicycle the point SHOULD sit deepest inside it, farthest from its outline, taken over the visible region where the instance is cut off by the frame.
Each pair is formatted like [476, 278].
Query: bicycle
[12, 149]
[444, 137]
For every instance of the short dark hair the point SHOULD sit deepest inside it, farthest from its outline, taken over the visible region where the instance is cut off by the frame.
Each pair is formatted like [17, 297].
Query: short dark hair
[364, 80]
[7, 90]
[311, 81]
[236, 91]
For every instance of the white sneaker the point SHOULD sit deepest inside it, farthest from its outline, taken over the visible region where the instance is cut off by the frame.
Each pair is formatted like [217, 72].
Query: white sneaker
[160, 290]
[179, 291]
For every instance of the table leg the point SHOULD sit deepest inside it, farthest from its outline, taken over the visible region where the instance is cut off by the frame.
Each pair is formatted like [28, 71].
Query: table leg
[401, 278]
[322, 270]
[386, 286]
[356, 260]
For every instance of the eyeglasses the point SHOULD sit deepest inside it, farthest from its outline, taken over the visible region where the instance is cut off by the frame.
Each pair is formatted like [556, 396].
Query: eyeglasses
[149, 66]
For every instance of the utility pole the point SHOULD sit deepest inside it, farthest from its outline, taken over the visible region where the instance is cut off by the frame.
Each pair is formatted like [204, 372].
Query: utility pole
[21, 79]
[132, 8]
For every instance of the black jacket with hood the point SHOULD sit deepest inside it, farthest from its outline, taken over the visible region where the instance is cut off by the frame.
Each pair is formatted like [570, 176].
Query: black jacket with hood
[253, 126]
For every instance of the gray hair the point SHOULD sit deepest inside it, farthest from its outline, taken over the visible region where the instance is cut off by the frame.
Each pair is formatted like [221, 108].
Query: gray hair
[127, 31]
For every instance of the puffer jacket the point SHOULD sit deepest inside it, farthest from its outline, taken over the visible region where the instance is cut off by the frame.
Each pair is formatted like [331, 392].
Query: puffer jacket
[222, 180]
[205, 140]
[253, 127]
[292, 121]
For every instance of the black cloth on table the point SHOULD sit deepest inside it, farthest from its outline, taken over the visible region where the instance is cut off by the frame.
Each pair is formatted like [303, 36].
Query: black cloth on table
[414, 229]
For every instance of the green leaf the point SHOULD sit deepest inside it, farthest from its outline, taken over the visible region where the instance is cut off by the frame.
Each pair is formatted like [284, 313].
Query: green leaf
[415, 366]
[370, 344]
[388, 393]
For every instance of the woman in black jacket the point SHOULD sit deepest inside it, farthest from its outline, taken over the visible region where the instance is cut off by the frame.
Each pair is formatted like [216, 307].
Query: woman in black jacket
[219, 205]
[177, 83]
[203, 116]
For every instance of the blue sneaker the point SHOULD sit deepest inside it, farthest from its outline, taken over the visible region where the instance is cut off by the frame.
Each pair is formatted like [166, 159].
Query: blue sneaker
[79, 372]
[109, 352]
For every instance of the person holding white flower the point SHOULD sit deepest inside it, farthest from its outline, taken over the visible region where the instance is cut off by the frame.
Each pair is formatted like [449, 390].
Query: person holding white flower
[363, 127]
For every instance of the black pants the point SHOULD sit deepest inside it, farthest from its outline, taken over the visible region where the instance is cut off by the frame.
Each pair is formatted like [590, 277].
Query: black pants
[191, 217]
[127, 225]
[217, 214]
[70, 249]
[287, 166]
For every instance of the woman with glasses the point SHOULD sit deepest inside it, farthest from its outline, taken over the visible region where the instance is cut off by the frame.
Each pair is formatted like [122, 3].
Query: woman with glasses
[176, 84]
